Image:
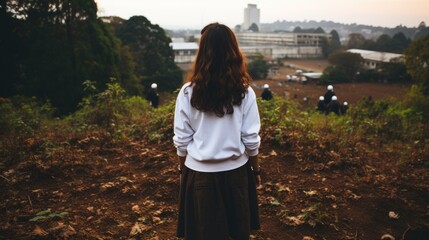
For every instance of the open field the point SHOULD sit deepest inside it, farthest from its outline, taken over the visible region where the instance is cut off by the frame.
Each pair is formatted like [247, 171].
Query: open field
[346, 92]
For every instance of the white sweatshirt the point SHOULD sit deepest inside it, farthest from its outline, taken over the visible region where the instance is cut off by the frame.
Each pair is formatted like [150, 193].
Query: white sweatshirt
[213, 144]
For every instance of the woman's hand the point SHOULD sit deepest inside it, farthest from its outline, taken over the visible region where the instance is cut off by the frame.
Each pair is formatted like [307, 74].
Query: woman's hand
[254, 162]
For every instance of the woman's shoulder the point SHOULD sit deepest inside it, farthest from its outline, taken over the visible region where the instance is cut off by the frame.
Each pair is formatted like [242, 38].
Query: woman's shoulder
[186, 89]
[250, 92]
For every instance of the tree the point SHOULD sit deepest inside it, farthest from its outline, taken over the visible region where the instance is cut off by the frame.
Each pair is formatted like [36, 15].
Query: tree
[422, 31]
[401, 42]
[348, 62]
[335, 43]
[150, 48]
[10, 49]
[417, 63]
[258, 67]
[237, 28]
[253, 27]
[61, 44]
[335, 74]
[332, 45]
[356, 40]
[384, 43]
[393, 71]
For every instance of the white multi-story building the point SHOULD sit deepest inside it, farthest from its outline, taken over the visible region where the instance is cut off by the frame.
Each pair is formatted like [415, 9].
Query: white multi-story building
[284, 44]
[251, 15]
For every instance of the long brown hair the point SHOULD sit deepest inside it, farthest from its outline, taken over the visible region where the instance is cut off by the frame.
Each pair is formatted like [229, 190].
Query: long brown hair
[219, 76]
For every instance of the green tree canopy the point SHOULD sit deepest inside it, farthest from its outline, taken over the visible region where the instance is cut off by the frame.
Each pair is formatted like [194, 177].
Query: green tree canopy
[356, 40]
[258, 67]
[417, 62]
[349, 63]
[253, 27]
[331, 45]
[150, 48]
[60, 45]
[334, 74]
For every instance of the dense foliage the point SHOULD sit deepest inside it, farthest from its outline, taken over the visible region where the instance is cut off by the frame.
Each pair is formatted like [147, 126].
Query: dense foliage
[49, 48]
[384, 43]
[331, 45]
[258, 67]
[344, 67]
[150, 49]
[417, 61]
[125, 118]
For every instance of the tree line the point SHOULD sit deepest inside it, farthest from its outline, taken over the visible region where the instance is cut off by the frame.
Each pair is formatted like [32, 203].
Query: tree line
[51, 47]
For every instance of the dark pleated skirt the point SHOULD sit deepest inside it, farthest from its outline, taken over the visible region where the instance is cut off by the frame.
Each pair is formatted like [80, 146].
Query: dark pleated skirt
[218, 206]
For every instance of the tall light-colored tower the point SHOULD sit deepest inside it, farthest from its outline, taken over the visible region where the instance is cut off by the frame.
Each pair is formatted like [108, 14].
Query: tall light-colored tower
[251, 15]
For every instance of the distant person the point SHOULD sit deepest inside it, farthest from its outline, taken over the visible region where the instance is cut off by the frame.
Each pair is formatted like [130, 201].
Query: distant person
[304, 80]
[153, 96]
[334, 106]
[328, 94]
[266, 93]
[321, 106]
[344, 108]
[216, 134]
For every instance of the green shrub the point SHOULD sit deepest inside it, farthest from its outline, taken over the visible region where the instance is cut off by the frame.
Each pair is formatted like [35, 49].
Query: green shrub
[108, 109]
[387, 119]
[22, 115]
[417, 101]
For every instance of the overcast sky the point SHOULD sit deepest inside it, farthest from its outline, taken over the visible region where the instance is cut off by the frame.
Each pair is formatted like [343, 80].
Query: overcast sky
[194, 14]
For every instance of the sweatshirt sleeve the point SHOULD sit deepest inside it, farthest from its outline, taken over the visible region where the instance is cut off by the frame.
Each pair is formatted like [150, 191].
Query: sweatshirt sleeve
[183, 131]
[251, 124]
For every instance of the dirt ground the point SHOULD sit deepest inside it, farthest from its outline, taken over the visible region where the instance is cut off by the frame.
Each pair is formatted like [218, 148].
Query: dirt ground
[130, 191]
[94, 188]
[346, 92]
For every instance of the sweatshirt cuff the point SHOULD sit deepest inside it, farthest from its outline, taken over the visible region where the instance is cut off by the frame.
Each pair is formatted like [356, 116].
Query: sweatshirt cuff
[182, 153]
[252, 153]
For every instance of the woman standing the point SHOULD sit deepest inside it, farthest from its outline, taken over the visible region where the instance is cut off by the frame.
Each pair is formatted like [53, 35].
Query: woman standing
[216, 133]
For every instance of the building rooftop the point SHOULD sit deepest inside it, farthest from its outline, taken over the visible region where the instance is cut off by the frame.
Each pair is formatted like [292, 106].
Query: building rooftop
[376, 56]
[184, 45]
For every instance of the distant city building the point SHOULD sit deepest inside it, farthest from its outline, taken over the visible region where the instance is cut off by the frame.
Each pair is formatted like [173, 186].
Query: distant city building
[372, 58]
[251, 15]
[178, 39]
[184, 52]
[283, 44]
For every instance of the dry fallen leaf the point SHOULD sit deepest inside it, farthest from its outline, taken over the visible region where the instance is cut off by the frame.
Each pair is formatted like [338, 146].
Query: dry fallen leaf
[138, 228]
[135, 229]
[295, 220]
[307, 238]
[310, 193]
[387, 237]
[156, 219]
[273, 153]
[38, 231]
[68, 231]
[393, 215]
[136, 209]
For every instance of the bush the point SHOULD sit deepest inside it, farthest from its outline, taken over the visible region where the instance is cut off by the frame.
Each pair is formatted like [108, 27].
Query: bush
[386, 119]
[108, 108]
[22, 115]
[417, 101]
[333, 75]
